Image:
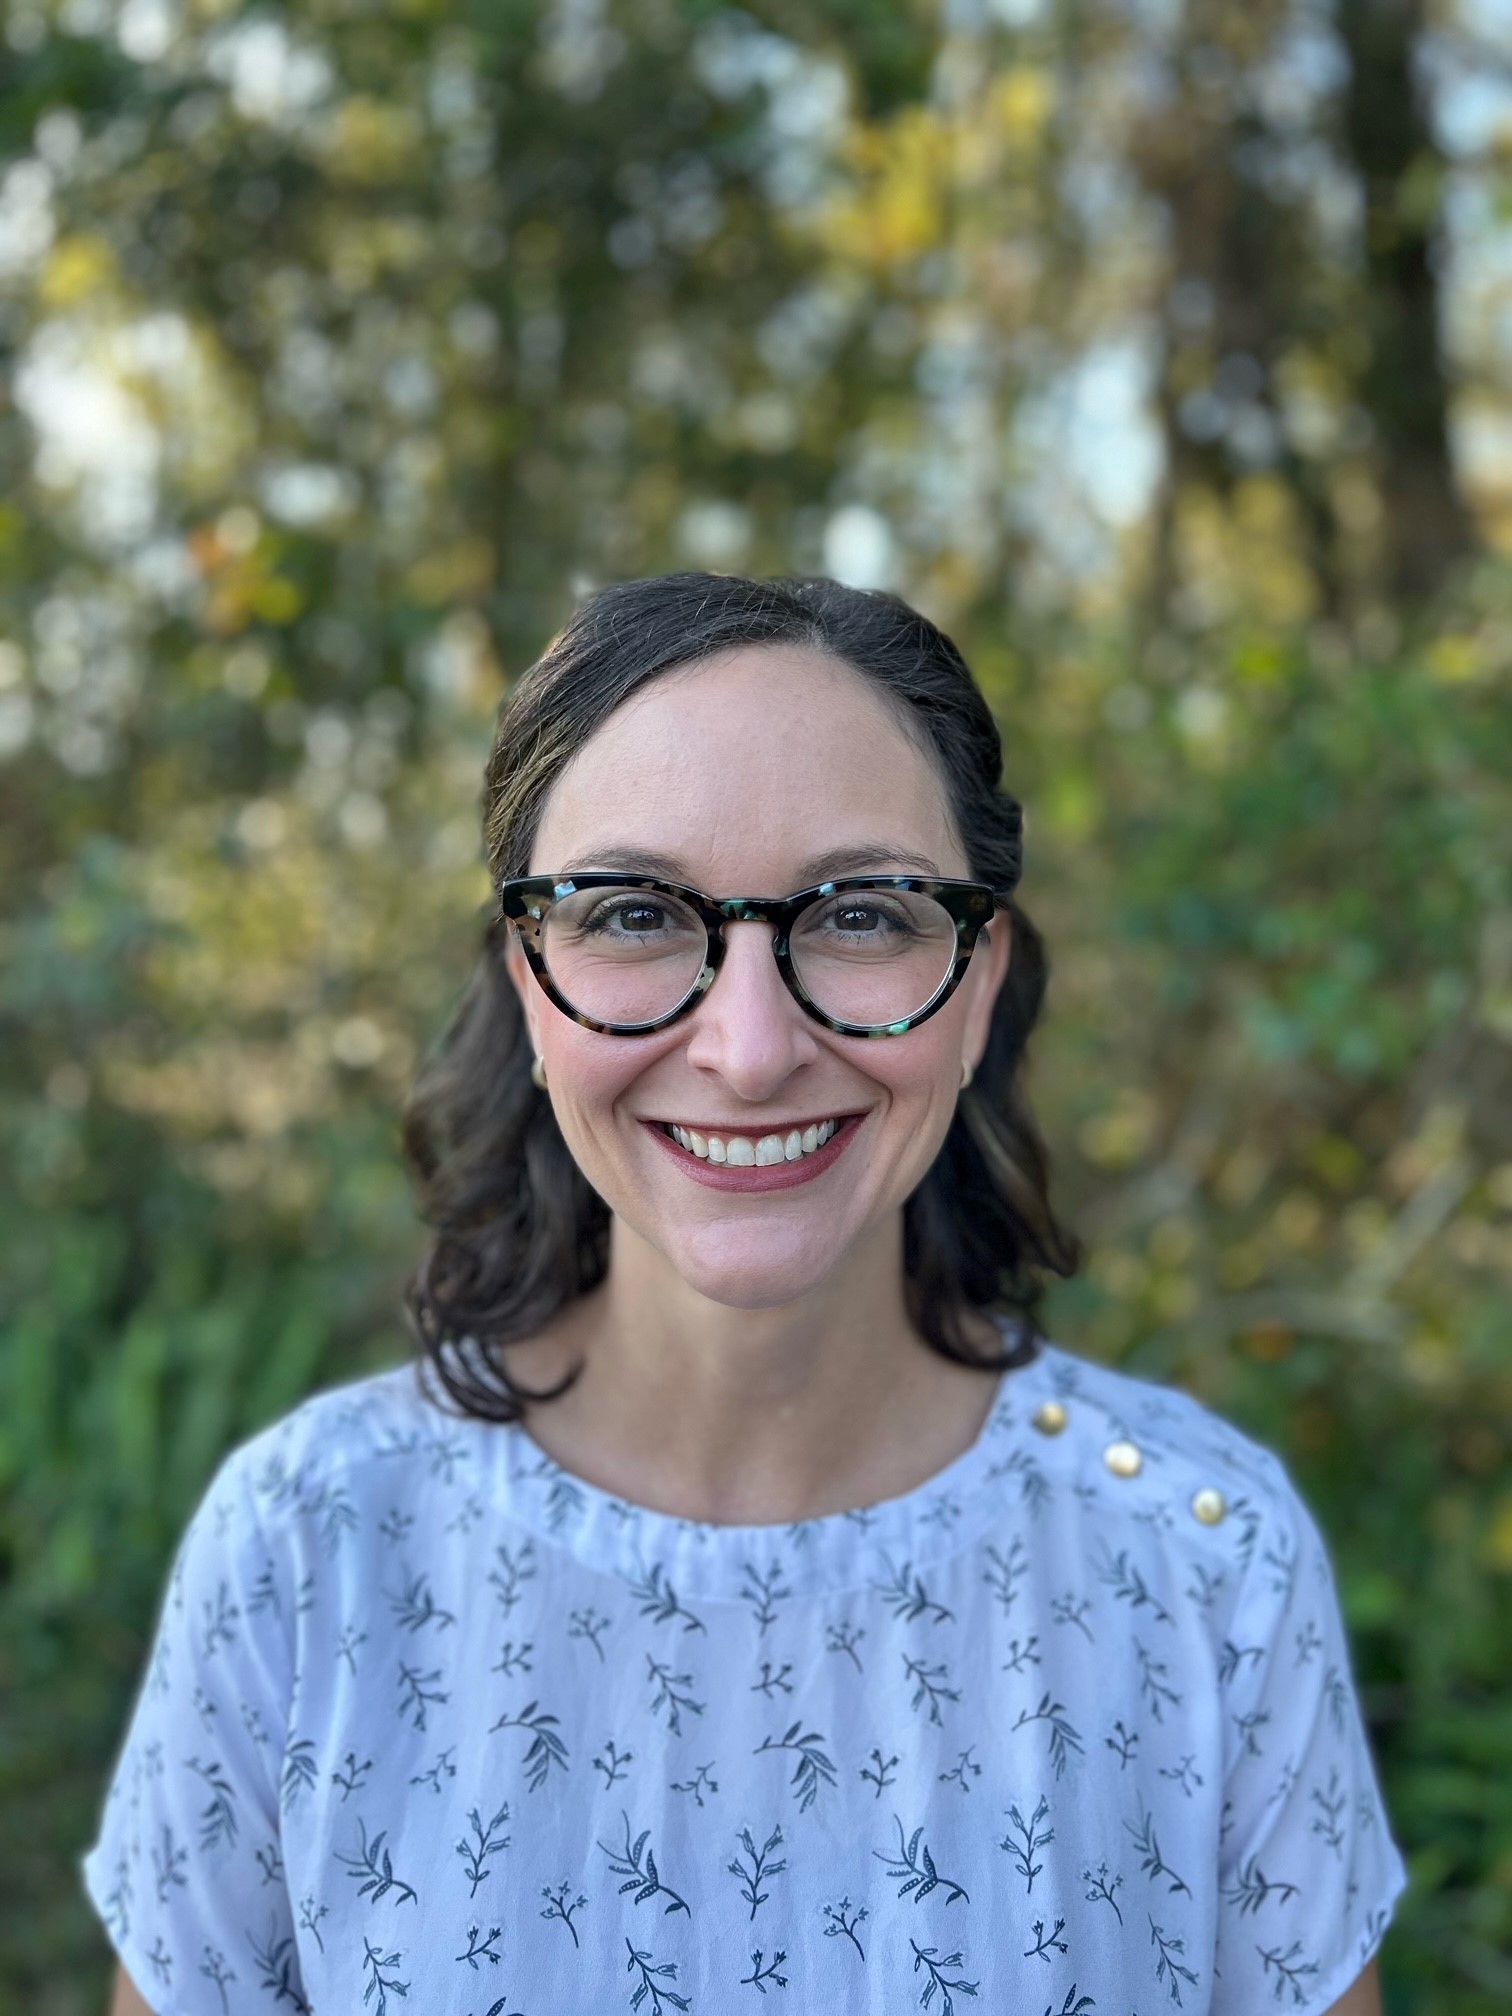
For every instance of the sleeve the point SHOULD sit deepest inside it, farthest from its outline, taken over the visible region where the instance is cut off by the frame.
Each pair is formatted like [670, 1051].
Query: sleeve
[1308, 1871]
[186, 1872]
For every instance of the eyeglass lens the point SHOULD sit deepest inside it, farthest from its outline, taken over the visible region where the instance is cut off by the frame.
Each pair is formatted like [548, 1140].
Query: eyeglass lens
[633, 955]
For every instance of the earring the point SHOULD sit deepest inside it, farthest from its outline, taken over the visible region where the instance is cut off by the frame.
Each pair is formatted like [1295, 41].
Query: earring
[966, 1074]
[538, 1074]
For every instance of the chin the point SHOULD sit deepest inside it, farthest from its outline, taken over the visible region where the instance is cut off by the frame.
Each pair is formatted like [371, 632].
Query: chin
[764, 1278]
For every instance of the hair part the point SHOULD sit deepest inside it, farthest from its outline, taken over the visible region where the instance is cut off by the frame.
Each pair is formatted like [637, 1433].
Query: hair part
[517, 1232]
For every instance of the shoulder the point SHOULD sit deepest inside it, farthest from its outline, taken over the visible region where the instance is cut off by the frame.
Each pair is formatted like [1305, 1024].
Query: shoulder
[1129, 1447]
[382, 1432]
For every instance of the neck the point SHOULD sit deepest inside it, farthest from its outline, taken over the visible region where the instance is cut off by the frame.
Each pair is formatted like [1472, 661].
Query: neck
[753, 1416]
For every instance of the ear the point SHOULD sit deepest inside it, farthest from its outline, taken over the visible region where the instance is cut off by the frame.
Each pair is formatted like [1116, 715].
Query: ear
[517, 966]
[984, 982]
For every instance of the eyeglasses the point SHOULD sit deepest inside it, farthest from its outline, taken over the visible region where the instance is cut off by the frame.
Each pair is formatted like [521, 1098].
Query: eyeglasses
[870, 955]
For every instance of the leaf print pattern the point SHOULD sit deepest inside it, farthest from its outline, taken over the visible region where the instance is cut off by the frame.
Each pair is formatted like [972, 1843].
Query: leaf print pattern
[1005, 1571]
[702, 1781]
[389, 1637]
[1046, 1943]
[668, 1696]
[759, 1975]
[1150, 1859]
[881, 1771]
[275, 1961]
[906, 1596]
[929, 1685]
[813, 1769]
[419, 1692]
[481, 1946]
[480, 1844]
[843, 1919]
[1128, 1584]
[546, 1748]
[925, 1956]
[1102, 1889]
[381, 1981]
[374, 1866]
[650, 1975]
[844, 1638]
[757, 1868]
[1170, 1968]
[1074, 2004]
[299, 1769]
[658, 1599]
[1024, 1840]
[613, 1763]
[513, 1569]
[1250, 1889]
[218, 1819]
[963, 1771]
[1063, 1738]
[415, 1607]
[637, 1862]
[558, 1907]
[1291, 1970]
[916, 1868]
[765, 1592]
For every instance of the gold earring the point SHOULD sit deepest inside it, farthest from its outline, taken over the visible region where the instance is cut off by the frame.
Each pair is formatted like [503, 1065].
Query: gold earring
[538, 1074]
[966, 1074]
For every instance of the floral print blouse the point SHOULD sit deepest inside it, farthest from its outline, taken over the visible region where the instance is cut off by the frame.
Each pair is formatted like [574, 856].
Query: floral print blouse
[432, 1725]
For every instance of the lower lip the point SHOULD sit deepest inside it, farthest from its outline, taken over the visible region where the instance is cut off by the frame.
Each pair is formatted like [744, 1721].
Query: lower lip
[775, 1176]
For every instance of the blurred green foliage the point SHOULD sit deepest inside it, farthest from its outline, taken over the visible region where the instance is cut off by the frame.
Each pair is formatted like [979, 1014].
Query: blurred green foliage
[344, 342]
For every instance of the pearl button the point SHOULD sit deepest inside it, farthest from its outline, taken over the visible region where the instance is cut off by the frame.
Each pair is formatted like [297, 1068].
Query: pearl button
[1050, 1418]
[1123, 1459]
[1209, 1505]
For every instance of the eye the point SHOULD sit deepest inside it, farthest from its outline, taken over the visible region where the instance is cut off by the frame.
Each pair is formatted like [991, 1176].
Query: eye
[863, 917]
[633, 916]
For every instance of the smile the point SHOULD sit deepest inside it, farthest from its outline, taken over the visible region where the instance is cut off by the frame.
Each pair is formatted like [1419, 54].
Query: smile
[724, 1159]
[753, 1151]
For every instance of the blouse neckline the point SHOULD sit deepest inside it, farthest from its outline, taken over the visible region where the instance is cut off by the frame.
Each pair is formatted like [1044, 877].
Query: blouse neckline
[661, 1552]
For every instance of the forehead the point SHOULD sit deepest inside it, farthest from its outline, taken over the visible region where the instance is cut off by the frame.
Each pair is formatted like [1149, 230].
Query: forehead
[744, 769]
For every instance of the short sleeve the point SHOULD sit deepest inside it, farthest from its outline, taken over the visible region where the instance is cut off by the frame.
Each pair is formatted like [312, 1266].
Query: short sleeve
[1308, 1871]
[187, 1871]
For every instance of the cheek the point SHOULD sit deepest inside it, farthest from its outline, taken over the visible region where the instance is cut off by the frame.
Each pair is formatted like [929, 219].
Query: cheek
[589, 1073]
[927, 1061]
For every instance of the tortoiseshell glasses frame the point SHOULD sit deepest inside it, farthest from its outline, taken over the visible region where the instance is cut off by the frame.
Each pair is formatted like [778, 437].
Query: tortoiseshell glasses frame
[527, 899]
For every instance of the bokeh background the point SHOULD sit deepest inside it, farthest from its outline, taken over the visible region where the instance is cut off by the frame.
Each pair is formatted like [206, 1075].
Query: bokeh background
[1160, 349]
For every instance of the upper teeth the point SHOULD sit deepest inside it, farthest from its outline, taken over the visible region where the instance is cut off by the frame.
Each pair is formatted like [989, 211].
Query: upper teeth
[743, 1153]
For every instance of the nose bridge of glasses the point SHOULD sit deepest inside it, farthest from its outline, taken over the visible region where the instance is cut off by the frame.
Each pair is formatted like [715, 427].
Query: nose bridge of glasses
[770, 912]
[768, 942]
[749, 909]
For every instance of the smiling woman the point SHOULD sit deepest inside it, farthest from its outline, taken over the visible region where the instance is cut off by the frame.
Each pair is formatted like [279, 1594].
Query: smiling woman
[807, 1560]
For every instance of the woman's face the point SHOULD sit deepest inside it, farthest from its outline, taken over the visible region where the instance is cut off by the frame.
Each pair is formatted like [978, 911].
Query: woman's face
[757, 773]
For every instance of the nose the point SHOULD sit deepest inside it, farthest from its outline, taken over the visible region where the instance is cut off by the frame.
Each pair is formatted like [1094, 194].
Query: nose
[748, 1028]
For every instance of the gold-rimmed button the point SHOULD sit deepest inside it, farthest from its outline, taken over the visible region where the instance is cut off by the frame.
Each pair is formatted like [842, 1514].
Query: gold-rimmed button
[1123, 1459]
[1050, 1417]
[1209, 1505]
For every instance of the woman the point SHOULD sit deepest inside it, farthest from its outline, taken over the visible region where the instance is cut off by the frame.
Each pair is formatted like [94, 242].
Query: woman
[746, 1599]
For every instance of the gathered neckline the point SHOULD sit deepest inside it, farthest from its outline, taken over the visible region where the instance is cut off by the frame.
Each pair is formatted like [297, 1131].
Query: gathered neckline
[659, 1550]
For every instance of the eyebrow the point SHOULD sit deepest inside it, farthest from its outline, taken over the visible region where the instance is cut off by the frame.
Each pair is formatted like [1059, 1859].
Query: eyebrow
[868, 858]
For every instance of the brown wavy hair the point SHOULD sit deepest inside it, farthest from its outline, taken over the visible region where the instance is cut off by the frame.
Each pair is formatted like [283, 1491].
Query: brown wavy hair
[516, 1230]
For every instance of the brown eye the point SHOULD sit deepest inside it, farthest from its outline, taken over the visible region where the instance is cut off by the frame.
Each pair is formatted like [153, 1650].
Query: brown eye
[636, 919]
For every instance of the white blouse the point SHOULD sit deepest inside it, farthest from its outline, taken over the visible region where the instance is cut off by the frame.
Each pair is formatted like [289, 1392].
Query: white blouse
[432, 1725]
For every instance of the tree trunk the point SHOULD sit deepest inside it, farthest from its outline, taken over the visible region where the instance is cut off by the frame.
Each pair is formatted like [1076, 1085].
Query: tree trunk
[1426, 527]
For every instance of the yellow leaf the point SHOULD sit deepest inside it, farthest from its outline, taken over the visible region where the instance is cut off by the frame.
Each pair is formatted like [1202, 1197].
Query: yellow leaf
[1453, 660]
[78, 266]
[1023, 101]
